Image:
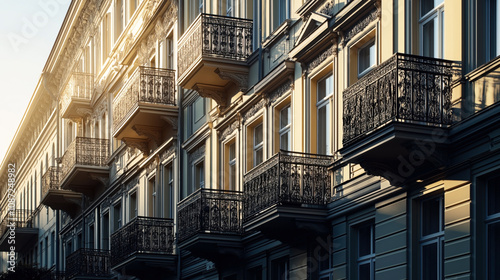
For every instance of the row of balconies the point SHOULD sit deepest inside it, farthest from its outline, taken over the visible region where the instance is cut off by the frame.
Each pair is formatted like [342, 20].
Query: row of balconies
[386, 113]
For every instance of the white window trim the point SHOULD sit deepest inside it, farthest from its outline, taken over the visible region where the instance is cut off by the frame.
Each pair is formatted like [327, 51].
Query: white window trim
[231, 163]
[437, 237]
[325, 102]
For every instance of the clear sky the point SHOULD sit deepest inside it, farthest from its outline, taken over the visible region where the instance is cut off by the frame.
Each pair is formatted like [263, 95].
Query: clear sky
[28, 29]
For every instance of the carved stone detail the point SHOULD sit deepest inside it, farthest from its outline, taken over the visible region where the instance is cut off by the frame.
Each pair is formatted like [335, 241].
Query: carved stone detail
[171, 120]
[214, 92]
[239, 78]
[169, 152]
[360, 25]
[327, 9]
[197, 154]
[229, 130]
[280, 91]
[152, 132]
[255, 108]
[140, 144]
[331, 51]
[152, 166]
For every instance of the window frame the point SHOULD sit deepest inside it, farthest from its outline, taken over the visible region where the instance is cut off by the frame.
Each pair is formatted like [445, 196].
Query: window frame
[371, 66]
[325, 102]
[436, 12]
[257, 147]
[287, 129]
[368, 258]
[437, 237]
[489, 220]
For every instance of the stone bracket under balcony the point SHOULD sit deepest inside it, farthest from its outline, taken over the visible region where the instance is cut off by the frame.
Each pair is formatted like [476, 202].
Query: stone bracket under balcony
[288, 193]
[24, 234]
[397, 117]
[145, 109]
[210, 225]
[55, 197]
[212, 56]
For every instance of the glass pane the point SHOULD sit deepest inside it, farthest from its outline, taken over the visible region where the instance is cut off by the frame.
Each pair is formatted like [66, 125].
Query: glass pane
[493, 197]
[285, 141]
[232, 151]
[232, 177]
[366, 57]
[364, 271]
[258, 157]
[493, 250]
[430, 216]
[430, 40]
[429, 261]
[285, 117]
[427, 5]
[323, 131]
[364, 241]
[258, 137]
[497, 27]
[321, 89]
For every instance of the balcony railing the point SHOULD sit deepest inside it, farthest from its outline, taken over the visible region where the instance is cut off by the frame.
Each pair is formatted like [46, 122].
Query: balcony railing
[405, 88]
[50, 180]
[217, 37]
[84, 151]
[80, 86]
[88, 263]
[147, 85]
[142, 235]
[287, 178]
[20, 218]
[210, 211]
[52, 275]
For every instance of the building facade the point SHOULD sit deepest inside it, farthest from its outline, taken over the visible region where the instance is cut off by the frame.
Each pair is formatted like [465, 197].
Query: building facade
[285, 139]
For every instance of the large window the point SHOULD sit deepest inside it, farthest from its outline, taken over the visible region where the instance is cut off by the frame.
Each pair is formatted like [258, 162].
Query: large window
[133, 205]
[281, 12]
[258, 145]
[284, 129]
[105, 231]
[153, 198]
[431, 28]
[493, 228]
[324, 91]
[432, 238]
[279, 269]
[199, 174]
[168, 192]
[366, 251]
[117, 216]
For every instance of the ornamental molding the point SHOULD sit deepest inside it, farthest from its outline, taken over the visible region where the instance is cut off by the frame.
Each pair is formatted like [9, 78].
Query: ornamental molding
[327, 8]
[229, 130]
[196, 155]
[214, 92]
[315, 62]
[171, 120]
[152, 132]
[239, 78]
[140, 144]
[168, 153]
[280, 91]
[132, 183]
[151, 167]
[254, 109]
[359, 26]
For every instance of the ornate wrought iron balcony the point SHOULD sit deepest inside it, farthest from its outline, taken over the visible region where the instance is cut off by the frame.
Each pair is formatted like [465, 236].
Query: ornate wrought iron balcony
[57, 198]
[148, 92]
[210, 211]
[75, 100]
[143, 238]
[287, 178]
[88, 264]
[397, 111]
[405, 88]
[84, 157]
[18, 221]
[212, 52]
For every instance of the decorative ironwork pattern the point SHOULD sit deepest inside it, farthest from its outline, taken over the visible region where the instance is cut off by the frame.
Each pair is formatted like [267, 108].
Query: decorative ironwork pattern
[84, 151]
[217, 37]
[404, 88]
[210, 211]
[80, 86]
[142, 235]
[287, 178]
[88, 263]
[19, 217]
[50, 180]
[147, 85]
[52, 275]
